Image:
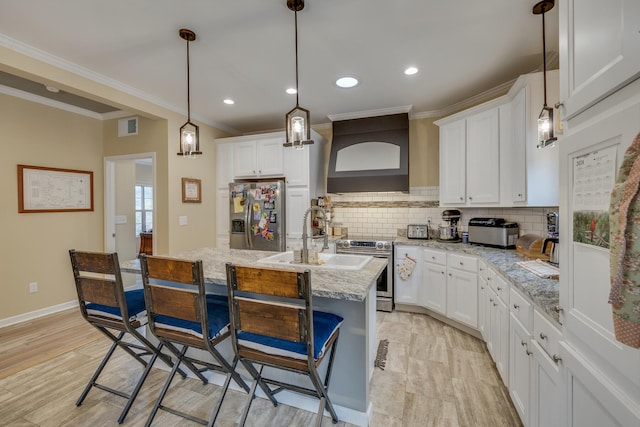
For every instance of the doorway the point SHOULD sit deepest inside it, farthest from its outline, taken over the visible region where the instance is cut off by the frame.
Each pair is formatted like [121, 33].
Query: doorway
[127, 211]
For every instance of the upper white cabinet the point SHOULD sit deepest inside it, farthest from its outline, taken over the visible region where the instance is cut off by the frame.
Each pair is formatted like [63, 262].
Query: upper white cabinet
[470, 156]
[259, 158]
[599, 50]
[533, 173]
[224, 165]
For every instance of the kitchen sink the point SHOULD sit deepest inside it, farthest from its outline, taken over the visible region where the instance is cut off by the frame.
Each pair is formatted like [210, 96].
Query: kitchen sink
[329, 261]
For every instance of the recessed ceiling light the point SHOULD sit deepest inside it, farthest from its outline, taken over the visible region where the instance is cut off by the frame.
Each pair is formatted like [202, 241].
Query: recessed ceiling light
[411, 71]
[229, 101]
[292, 91]
[347, 81]
[52, 89]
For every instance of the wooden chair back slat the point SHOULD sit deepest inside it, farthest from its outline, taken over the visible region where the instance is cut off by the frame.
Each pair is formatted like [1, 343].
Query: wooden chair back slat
[98, 291]
[268, 282]
[170, 269]
[174, 302]
[94, 262]
[269, 319]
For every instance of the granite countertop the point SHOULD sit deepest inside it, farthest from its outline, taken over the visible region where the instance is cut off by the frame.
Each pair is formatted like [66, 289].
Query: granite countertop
[329, 283]
[544, 293]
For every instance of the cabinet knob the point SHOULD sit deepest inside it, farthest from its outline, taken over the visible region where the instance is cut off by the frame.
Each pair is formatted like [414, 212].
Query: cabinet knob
[529, 353]
[488, 279]
[556, 358]
[543, 336]
[523, 343]
[449, 274]
[432, 257]
[499, 288]
[442, 272]
[490, 299]
[259, 171]
[494, 304]
[557, 308]
[254, 171]
[470, 198]
[461, 198]
[461, 263]
[519, 194]
[516, 306]
[482, 287]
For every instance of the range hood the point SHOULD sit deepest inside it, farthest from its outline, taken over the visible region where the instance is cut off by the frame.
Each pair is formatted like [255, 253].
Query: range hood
[370, 154]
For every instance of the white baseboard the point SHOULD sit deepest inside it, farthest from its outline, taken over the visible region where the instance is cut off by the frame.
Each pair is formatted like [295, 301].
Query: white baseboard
[7, 321]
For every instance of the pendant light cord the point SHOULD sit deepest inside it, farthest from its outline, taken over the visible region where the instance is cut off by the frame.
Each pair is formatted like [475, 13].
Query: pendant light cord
[188, 86]
[295, 17]
[544, 55]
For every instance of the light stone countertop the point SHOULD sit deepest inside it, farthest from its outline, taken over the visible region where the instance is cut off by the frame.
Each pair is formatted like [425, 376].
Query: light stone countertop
[544, 293]
[325, 282]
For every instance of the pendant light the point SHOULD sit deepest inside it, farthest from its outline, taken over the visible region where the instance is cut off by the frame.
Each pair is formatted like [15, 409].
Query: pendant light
[298, 125]
[189, 132]
[545, 120]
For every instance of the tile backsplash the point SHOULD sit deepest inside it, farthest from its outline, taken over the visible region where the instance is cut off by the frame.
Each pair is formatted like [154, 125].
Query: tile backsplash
[388, 214]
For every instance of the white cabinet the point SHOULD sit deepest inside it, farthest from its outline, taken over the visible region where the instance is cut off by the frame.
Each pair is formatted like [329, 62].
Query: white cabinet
[483, 154]
[483, 300]
[469, 158]
[224, 175]
[453, 163]
[259, 158]
[462, 289]
[296, 166]
[533, 173]
[222, 218]
[599, 50]
[498, 343]
[432, 293]
[520, 362]
[298, 201]
[407, 278]
[224, 165]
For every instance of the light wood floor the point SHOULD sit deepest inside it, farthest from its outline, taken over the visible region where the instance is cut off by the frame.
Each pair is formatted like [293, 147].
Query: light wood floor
[435, 375]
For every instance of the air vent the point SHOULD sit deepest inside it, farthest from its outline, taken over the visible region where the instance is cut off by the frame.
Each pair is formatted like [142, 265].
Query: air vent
[127, 127]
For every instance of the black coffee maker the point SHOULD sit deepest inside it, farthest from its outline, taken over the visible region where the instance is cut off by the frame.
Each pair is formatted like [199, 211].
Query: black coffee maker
[550, 245]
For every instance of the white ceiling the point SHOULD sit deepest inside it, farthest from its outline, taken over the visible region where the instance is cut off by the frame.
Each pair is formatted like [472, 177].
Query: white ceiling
[245, 51]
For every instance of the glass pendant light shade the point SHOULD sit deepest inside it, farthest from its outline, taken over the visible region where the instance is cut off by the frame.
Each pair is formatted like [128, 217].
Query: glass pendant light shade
[545, 127]
[189, 132]
[189, 140]
[297, 121]
[298, 129]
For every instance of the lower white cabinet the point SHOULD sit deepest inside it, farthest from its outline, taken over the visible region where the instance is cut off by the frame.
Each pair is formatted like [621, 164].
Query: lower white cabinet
[462, 296]
[498, 343]
[546, 391]
[407, 278]
[222, 218]
[297, 204]
[520, 362]
[433, 290]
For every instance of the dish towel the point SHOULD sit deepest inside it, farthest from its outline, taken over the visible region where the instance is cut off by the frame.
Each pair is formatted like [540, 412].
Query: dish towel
[405, 268]
[624, 256]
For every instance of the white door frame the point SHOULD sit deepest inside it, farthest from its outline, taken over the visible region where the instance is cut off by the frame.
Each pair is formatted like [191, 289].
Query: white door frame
[110, 192]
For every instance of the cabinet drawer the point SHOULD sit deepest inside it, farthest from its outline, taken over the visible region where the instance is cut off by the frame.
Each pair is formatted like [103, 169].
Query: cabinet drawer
[437, 257]
[500, 287]
[521, 308]
[546, 334]
[462, 262]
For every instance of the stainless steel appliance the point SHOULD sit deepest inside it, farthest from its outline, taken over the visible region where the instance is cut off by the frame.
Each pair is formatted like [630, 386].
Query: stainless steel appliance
[379, 248]
[494, 232]
[550, 245]
[449, 231]
[257, 215]
[417, 231]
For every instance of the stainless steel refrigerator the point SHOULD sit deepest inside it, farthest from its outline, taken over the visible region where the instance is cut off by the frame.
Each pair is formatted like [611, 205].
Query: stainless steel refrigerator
[257, 215]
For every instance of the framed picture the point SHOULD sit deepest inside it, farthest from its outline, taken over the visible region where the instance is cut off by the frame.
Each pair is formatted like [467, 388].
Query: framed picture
[191, 190]
[43, 189]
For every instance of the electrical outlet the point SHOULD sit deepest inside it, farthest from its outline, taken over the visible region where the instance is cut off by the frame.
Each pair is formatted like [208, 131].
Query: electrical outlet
[33, 287]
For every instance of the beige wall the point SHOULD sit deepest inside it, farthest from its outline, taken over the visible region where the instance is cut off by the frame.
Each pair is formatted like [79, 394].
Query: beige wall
[424, 153]
[34, 247]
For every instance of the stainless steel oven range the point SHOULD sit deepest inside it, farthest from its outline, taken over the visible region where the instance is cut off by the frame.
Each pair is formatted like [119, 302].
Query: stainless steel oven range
[379, 248]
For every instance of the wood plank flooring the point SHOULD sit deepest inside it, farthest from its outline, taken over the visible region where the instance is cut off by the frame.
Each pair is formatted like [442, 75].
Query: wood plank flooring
[435, 375]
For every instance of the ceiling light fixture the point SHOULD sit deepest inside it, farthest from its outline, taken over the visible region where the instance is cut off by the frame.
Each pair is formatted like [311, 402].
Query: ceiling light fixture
[52, 89]
[229, 101]
[545, 120]
[347, 82]
[297, 120]
[189, 132]
[292, 91]
[411, 71]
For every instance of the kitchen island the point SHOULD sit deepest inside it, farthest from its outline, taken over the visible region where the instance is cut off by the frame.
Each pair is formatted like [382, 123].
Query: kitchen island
[348, 293]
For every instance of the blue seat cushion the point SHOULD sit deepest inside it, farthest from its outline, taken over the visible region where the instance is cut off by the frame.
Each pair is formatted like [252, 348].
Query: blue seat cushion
[135, 306]
[217, 313]
[324, 325]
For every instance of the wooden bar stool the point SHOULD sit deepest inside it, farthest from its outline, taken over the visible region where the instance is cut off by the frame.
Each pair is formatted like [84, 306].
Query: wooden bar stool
[107, 307]
[273, 324]
[182, 315]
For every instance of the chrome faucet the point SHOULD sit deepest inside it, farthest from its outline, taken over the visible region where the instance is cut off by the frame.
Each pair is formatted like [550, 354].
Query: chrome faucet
[305, 234]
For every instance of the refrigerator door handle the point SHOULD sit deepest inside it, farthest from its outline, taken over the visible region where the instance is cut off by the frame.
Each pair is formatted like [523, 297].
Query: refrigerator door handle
[247, 228]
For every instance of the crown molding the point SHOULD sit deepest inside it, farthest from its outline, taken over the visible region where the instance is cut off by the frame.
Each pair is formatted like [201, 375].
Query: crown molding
[370, 113]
